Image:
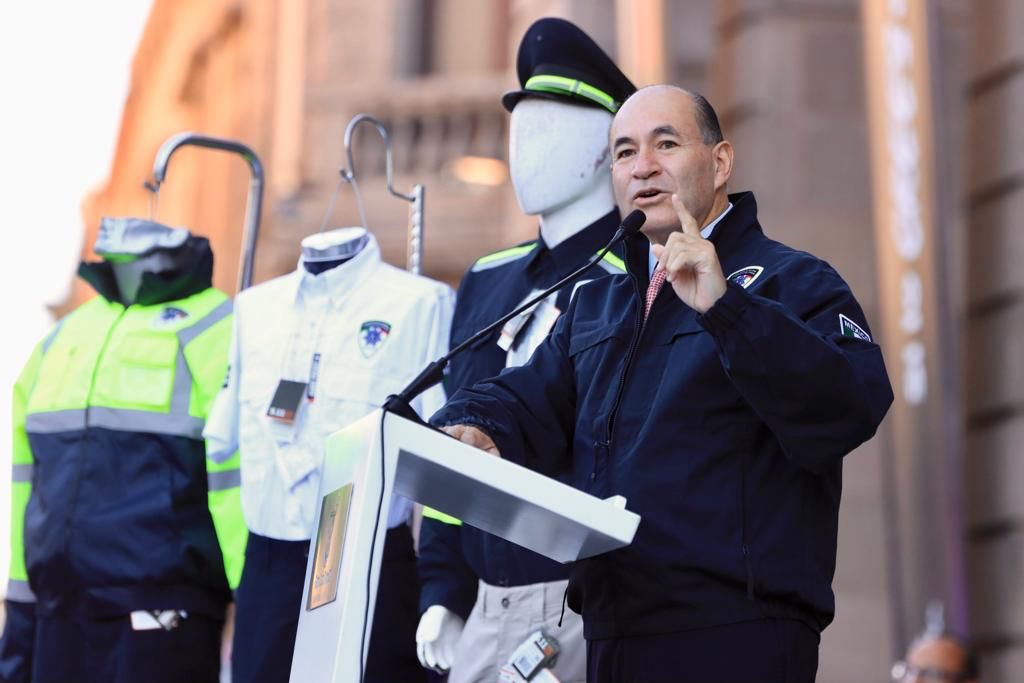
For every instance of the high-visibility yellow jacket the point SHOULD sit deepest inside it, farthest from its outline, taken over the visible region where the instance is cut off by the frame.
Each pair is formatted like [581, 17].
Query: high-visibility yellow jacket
[115, 506]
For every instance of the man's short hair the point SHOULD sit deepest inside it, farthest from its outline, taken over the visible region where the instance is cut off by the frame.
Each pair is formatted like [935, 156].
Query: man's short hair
[707, 120]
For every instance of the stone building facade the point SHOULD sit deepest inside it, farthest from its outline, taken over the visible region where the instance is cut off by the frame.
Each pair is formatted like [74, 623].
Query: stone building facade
[285, 76]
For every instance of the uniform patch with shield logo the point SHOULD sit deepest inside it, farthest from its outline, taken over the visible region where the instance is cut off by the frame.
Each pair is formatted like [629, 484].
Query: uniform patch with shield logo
[169, 316]
[852, 329]
[745, 277]
[372, 335]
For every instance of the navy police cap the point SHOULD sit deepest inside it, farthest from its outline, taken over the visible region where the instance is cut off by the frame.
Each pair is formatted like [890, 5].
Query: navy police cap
[558, 61]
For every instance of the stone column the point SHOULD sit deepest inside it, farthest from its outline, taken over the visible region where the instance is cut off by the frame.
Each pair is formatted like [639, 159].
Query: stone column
[995, 327]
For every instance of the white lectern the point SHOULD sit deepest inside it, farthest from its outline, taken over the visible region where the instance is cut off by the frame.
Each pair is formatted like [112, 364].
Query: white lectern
[385, 453]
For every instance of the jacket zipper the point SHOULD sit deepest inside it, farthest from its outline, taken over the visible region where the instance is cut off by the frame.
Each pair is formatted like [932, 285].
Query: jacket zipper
[634, 343]
[73, 497]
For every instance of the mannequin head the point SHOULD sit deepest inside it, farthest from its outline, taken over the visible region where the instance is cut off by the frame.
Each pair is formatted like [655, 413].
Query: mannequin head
[324, 250]
[557, 152]
[135, 246]
[128, 273]
[560, 166]
[558, 136]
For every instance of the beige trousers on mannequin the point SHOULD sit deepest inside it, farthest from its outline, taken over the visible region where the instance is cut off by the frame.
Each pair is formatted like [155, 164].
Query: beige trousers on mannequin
[503, 618]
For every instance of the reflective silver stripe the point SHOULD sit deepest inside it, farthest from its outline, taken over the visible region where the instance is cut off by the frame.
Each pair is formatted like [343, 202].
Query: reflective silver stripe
[53, 335]
[227, 479]
[609, 268]
[19, 591]
[219, 456]
[206, 322]
[57, 421]
[181, 395]
[21, 474]
[122, 419]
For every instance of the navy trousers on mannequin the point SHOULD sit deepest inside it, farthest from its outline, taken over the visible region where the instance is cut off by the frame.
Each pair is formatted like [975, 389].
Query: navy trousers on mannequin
[69, 648]
[269, 598]
[764, 651]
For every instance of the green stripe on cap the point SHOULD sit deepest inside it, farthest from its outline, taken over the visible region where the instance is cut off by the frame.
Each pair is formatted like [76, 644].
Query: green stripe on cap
[561, 85]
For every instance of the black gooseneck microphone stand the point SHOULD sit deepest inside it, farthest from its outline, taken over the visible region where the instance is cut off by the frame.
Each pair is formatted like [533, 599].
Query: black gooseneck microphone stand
[399, 403]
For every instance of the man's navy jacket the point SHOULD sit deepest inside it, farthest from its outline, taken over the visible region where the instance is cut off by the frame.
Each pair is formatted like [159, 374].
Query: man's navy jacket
[452, 558]
[724, 431]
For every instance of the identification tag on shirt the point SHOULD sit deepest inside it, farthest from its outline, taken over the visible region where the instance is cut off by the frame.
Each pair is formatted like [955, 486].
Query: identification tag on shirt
[525, 339]
[510, 331]
[285, 404]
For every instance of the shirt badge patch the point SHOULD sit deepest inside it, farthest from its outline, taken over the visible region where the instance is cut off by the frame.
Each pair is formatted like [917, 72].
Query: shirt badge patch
[852, 329]
[372, 335]
[745, 277]
[169, 316]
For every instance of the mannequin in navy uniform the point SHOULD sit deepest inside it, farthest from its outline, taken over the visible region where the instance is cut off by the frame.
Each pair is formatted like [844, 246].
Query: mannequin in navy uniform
[481, 596]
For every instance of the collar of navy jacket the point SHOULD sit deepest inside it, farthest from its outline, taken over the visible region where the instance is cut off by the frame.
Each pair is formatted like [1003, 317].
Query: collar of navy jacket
[570, 254]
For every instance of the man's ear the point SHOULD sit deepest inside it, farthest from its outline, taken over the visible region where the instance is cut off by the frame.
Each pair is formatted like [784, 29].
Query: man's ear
[722, 154]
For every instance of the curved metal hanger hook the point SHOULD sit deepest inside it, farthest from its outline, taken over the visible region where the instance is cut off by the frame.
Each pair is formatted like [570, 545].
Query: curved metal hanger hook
[254, 200]
[414, 250]
[349, 174]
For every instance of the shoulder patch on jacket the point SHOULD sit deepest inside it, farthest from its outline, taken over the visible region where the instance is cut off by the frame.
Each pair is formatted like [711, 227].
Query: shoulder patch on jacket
[500, 258]
[745, 277]
[852, 329]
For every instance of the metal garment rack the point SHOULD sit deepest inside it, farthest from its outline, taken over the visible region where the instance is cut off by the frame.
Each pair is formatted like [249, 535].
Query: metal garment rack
[414, 246]
[254, 201]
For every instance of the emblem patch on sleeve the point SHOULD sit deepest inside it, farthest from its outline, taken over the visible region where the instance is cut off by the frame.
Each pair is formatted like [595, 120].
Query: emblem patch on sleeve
[852, 329]
[745, 277]
[372, 335]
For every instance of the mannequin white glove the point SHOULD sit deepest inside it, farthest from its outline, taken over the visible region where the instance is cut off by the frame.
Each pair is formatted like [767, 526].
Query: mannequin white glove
[436, 636]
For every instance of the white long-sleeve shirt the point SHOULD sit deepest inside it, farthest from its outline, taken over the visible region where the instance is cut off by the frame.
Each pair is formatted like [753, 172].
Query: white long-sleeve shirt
[374, 327]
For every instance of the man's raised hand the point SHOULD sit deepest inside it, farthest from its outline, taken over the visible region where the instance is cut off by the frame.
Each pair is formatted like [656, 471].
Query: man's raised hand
[691, 263]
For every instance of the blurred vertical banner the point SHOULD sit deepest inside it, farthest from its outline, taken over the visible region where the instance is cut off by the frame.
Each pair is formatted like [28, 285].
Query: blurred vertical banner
[923, 472]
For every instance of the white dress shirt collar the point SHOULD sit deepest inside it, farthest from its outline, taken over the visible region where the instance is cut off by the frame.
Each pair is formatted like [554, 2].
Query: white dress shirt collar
[339, 280]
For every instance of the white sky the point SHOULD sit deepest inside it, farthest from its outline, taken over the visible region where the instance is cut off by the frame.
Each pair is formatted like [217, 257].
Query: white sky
[64, 70]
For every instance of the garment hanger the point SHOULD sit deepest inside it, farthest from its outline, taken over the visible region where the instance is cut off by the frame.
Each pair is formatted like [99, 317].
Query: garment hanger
[254, 200]
[414, 250]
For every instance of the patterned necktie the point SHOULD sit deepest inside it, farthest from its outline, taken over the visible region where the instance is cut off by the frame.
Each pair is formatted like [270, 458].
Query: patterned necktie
[657, 280]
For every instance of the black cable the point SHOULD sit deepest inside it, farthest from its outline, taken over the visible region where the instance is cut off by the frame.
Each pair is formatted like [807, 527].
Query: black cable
[373, 545]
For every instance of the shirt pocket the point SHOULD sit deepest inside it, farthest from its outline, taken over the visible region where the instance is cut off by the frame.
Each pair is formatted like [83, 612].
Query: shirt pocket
[346, 394]
[256, 384]
[586, 340]
[141, 374]
[672, 334]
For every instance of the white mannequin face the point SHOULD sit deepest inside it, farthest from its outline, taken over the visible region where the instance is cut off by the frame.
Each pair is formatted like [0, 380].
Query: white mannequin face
[557, 152]
[129, 273]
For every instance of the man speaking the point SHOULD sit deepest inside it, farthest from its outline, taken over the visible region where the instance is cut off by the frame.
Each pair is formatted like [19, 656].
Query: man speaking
[717, 386]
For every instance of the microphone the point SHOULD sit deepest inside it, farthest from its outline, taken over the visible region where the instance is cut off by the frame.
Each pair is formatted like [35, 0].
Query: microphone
[434, 373]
